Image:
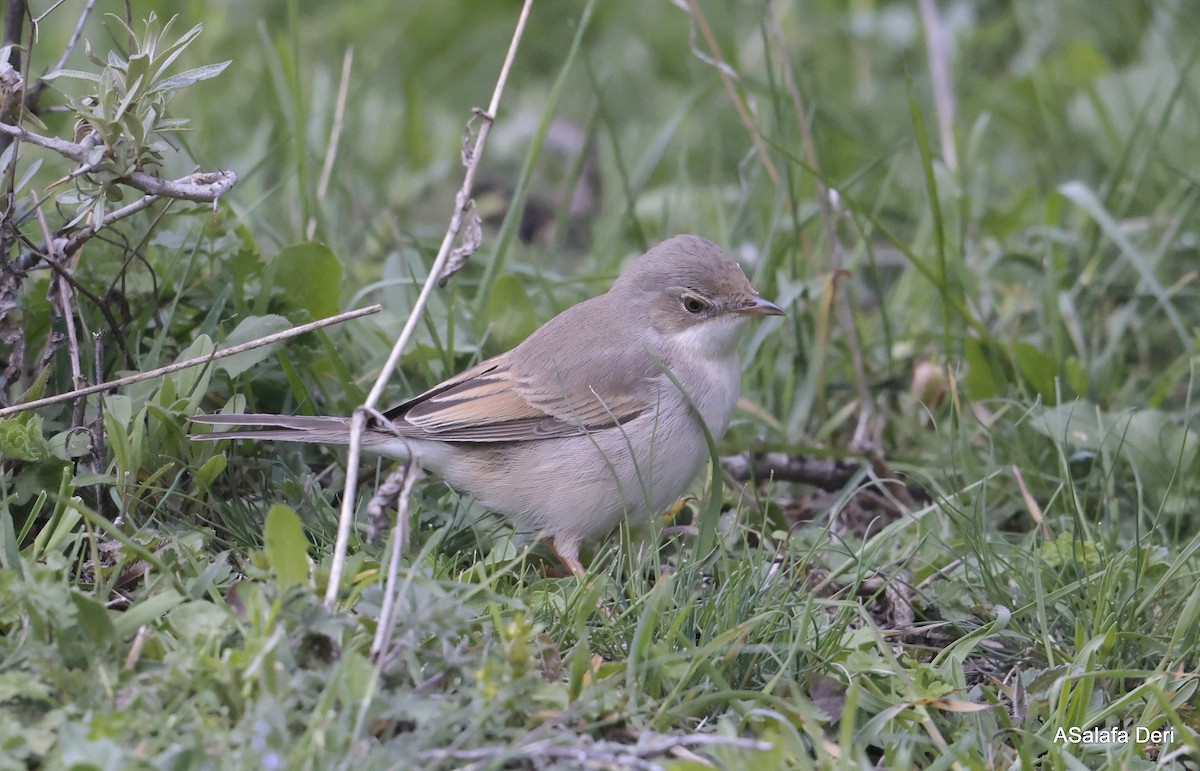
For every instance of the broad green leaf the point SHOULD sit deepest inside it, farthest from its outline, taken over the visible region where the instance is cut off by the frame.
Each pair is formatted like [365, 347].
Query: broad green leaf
[251, 328]
[205, 475]
[77, 74]
[1038, 369]
[1081, 63]
[218, 569]
[77, 748]
[198, 621]
[128, 100]
[23, 684]
[985, 375]
[119, 441]
[1077, 376]
[56, 532]
[310, 276]
[192, 383]
[146, 611]
[10, 554]
[1068, 550]
[1158, 447]
[136, 71]
[36, 390]
[184, 79]
[285, 545]
[120, 407]
[170, 53]
[94, 620]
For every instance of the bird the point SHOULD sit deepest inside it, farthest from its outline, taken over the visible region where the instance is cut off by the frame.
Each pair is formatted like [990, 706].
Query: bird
[596, 417]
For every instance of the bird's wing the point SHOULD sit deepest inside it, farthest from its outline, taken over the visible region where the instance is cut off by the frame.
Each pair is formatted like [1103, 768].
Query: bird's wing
[496, 401]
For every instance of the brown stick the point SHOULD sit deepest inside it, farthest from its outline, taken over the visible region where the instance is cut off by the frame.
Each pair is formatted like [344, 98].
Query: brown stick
[358, 420]
[714, 58]
[829, 474]
[214, 356]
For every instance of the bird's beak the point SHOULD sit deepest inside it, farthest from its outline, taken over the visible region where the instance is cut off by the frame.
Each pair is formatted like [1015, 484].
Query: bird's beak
[757, 306]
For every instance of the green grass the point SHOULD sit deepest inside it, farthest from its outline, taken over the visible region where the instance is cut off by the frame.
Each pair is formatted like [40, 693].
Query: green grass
[1039, 571]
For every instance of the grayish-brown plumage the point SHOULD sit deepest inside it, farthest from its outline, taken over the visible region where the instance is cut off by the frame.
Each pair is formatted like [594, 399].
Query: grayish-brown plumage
[579, 425]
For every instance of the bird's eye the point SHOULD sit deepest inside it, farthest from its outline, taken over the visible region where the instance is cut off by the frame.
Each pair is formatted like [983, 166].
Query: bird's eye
[693, 304]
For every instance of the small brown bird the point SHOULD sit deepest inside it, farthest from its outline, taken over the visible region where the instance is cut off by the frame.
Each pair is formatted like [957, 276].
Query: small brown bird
[582, 424]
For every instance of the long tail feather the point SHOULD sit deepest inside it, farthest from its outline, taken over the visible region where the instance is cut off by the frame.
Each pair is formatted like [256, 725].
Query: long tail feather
[299, 422]
[316, 436]
[290, 428]
[301, 428]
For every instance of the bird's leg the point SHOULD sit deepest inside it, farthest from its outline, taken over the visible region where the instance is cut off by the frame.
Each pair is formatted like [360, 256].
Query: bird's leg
[568, 554]
[670, 531]
[670, 514]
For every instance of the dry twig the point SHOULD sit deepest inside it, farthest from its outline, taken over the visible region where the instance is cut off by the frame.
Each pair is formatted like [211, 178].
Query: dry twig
[35, 93]
[202, 187]
[358, 421]
[335, 134]
[827, 474]
[387, 612]
[214, 356]
[728, 75]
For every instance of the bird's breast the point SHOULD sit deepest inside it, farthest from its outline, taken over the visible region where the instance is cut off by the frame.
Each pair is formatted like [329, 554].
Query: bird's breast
[712, 386]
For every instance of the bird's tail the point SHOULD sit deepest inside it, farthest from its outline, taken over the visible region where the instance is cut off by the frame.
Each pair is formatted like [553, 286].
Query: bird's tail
[286, 428]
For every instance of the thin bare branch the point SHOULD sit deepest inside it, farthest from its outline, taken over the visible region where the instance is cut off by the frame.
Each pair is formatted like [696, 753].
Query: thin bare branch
[387, 612]
[339, 120]
[359, 420]
[75, 37]
[72, 244]
[714, 58]
[72, 150]
[37, 20]
[214, 356]
[472, 237]
[35, 92]
[200, 186]
[66, 306]
[30, 258]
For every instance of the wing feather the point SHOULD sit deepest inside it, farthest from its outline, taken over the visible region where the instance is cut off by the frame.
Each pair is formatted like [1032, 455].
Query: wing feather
[536, 395]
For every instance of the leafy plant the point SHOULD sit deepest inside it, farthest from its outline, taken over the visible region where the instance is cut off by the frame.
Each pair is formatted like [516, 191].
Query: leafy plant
[128, 112]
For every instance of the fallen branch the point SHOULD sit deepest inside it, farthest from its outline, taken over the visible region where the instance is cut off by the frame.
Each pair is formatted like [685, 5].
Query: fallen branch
[826, 474]
[214, 356]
